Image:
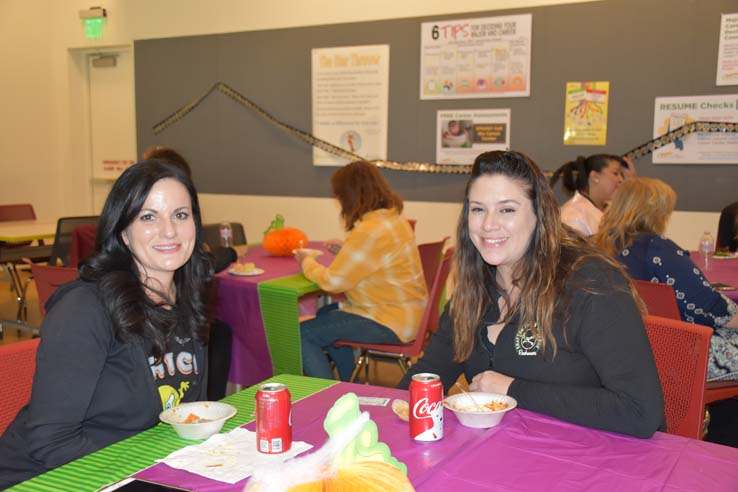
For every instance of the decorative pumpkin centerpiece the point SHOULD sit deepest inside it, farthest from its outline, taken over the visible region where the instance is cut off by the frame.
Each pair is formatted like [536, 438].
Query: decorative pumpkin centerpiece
[280, 240]
[352, 460]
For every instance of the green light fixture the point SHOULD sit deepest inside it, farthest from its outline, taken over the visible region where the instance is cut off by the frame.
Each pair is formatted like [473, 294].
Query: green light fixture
[94, 19]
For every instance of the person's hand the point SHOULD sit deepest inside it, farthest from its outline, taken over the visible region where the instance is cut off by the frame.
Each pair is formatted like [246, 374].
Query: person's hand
[300, 255]
[333, 245]
[491, 382]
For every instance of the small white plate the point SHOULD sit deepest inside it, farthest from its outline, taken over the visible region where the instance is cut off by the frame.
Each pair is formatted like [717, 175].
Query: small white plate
[252, 273]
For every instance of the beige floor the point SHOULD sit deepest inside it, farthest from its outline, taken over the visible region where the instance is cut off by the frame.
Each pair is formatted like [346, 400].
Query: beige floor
[381, 373]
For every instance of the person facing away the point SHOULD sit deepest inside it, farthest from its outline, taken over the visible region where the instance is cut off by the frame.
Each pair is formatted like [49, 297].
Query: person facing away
[593, 181]
[377, 267]
[727, 235]
[127, 339]
[540, 314]
[632, 231]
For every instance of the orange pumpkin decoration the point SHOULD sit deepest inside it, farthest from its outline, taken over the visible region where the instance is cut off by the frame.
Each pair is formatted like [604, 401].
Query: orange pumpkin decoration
[281, 242]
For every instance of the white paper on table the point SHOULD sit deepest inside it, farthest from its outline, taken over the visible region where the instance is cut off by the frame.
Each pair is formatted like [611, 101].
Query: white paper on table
[228, 457]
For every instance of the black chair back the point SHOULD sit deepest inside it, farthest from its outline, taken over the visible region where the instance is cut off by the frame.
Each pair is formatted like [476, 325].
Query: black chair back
[211, 234]
[63, 238]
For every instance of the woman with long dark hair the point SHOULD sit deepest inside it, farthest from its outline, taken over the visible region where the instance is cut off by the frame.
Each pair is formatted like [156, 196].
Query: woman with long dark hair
[377, 267]
[539, 314]
[592, 181]
[125, 340]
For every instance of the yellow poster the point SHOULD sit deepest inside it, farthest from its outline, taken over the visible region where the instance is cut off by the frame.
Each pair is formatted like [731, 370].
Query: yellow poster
[585, 118]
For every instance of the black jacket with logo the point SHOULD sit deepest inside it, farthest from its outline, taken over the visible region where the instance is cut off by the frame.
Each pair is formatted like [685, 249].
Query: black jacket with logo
[603, 375]
[89, 390]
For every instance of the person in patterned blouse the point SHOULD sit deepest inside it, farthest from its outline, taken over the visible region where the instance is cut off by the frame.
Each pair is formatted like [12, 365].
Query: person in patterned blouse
[377, 267]
[632, 231]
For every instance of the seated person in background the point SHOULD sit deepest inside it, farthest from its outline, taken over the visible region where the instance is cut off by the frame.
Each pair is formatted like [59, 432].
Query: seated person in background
[592, 180]
[727, 236]
[104, 367]
[221, 336]
[538, 313]
[631, 231]
[377, 267]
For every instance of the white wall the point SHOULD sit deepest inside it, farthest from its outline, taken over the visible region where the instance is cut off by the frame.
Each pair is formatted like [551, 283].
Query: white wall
[44, 122]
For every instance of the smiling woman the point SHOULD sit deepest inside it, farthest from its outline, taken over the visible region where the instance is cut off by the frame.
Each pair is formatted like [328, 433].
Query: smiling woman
[128, 338]
[538, 313]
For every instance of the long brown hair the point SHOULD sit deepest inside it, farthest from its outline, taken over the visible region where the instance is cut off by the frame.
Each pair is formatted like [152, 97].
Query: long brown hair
[641, 205]
[361, 188]
[553, 253]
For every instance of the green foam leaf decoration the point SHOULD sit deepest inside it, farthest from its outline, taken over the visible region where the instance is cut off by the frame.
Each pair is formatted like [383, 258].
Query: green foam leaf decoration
[366, 446]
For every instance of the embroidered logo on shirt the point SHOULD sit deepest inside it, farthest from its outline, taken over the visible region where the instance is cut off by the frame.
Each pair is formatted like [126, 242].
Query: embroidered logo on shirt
[527, 341]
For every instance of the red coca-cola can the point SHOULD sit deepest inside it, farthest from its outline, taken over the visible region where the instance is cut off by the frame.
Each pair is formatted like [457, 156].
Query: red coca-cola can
[426, 407]
[273, 419]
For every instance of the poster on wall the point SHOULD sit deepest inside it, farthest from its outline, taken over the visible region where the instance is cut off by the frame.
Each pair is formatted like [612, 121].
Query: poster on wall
[475, 58]
[727, 64]
[461, 135]
[350, 91]
[702, 147]
[585, 113]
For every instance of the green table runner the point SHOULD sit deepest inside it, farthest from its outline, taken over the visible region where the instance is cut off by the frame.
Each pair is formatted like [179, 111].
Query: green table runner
[142, 450]
[280, 311]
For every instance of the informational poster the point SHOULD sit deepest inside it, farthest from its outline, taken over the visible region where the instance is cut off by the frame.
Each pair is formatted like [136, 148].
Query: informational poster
[727, 64]
[474, 58]
[350, 98]
[701, 147]
[585, 113]
[464, 134]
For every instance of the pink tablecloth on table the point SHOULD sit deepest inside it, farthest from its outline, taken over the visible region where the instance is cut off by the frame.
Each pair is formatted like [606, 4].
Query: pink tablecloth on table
[527, 451]
[724, 271]
[238, 305]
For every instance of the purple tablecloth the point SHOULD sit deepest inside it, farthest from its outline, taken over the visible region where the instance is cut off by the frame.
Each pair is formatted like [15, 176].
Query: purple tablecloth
[724, 271]
[238, 305]
[527, 451]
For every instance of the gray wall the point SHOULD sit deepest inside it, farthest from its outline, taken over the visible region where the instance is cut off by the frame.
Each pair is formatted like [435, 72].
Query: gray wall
[645, 48]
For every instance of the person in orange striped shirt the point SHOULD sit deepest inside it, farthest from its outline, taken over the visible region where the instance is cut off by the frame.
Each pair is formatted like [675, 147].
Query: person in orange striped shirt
[377, 267]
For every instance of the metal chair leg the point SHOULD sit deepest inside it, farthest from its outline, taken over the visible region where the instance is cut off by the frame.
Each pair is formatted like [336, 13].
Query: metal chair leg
[403, 366]
[361, 361]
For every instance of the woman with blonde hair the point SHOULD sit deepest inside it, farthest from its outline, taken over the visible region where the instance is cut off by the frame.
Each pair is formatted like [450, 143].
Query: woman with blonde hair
[632, 231]
[540, 314]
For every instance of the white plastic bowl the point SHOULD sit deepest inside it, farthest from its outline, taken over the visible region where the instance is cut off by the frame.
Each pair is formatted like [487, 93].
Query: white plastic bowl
[212, 413]
[467, 412]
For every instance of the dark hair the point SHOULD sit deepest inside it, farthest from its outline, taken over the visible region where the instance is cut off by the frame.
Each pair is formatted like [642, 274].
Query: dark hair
[553, 253]
[361, 188]
[575, 174]
[132, 312]
[169, 155]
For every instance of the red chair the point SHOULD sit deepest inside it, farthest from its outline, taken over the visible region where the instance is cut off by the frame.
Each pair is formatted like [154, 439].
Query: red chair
[16, 211]
[660, 299]
[680, 350]
[430, 259]
[83, 243]
[403, 352]
[17, 365]
[48, 279]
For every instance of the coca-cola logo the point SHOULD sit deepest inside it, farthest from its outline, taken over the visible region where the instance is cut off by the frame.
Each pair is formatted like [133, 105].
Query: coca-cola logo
[423, 409]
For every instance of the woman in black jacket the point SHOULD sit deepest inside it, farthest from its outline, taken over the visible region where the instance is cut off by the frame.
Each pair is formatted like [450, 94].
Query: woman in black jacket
[128, 338]
[538, 313]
